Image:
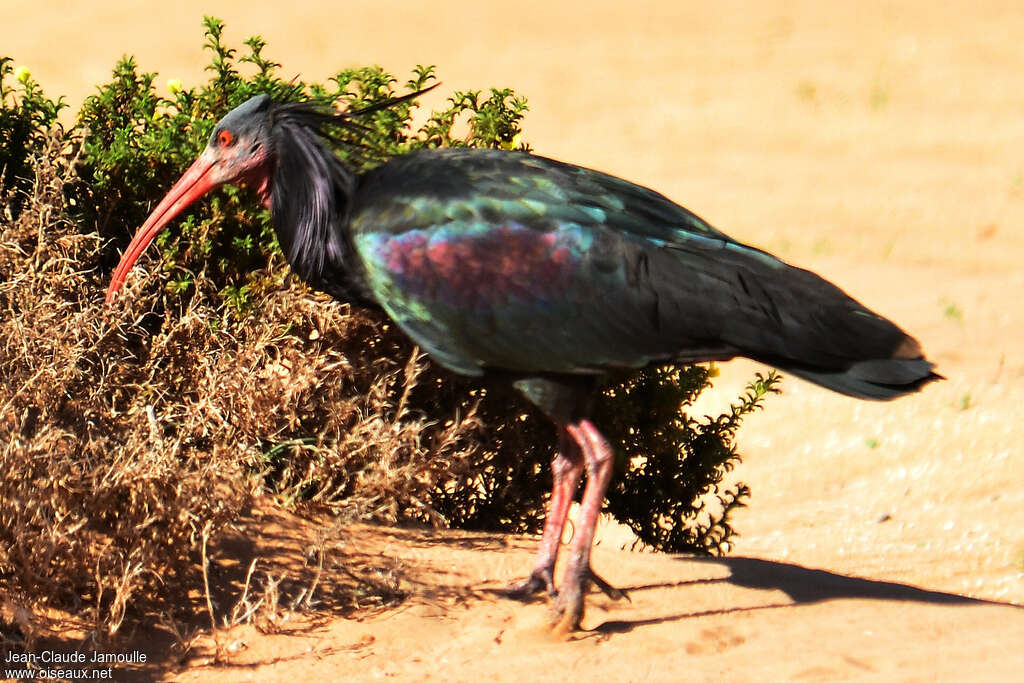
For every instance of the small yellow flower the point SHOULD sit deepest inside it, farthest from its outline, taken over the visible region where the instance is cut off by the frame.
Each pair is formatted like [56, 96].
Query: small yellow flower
[174, 86]
[22, 73]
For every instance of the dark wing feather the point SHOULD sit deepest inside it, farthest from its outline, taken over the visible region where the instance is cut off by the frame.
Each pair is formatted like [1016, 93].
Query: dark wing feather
[501, 260]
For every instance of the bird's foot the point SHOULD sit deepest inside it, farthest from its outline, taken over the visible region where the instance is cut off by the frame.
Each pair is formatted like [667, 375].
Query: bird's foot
[606, 588]
[539, 580]
[569, 603]
[568, 614]
[542, 580]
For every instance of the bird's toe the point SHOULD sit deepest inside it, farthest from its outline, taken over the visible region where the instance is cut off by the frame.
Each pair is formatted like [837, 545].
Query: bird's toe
[535, 583]
[606, 588]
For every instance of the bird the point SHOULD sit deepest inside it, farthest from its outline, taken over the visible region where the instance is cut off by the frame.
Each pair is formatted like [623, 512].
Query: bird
[544, 275]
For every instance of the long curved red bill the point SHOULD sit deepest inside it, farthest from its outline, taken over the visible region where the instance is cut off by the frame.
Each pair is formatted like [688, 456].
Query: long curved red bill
[195, 182]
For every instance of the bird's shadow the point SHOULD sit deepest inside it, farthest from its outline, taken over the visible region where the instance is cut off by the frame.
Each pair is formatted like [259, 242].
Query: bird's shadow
[803, 586]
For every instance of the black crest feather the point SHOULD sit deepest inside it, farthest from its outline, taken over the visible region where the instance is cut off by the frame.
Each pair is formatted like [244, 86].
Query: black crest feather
[313, 189]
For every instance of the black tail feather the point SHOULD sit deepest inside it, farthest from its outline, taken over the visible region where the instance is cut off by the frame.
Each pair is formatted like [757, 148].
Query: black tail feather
[878, 380]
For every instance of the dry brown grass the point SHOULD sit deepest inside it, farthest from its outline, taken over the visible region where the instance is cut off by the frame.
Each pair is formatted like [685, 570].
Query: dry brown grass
[132, 433]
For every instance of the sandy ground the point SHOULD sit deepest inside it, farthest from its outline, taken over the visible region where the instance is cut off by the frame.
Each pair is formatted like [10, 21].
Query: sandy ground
[878, 144]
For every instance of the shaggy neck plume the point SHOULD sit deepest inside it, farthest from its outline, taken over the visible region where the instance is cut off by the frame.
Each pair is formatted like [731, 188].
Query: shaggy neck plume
[309, 200]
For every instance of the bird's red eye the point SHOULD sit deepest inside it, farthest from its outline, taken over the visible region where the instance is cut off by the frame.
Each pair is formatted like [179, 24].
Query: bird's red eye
[225, 138]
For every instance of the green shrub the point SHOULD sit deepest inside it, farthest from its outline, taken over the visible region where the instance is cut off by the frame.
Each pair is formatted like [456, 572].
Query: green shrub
[669, 485]
[26, 119]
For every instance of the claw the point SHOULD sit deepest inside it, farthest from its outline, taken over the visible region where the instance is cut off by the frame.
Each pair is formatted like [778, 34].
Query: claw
[535, 583]
[606, 588]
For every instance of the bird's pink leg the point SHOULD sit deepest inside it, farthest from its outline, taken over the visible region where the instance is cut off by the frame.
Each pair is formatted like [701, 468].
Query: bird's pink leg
[566, 468]
[600, 461]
